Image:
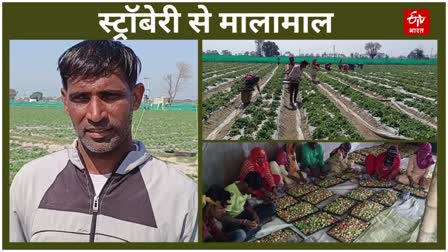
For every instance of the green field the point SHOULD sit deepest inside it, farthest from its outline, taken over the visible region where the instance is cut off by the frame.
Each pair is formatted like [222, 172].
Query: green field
[37, 131]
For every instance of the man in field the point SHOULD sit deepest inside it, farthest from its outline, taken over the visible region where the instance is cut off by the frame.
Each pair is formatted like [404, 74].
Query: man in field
[106, 187]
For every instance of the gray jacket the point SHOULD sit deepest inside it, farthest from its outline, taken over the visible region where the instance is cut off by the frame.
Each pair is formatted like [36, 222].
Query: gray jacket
[52, 199]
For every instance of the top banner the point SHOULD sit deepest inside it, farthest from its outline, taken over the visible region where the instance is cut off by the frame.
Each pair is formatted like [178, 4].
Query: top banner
[122, 21]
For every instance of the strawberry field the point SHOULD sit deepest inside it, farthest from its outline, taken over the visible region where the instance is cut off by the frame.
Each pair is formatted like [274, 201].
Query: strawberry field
[377, 102]
[37, 131]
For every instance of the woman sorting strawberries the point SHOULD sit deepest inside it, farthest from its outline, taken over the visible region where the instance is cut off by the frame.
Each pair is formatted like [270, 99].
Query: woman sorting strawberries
[386, 165]
[419, 167]
[258, 161]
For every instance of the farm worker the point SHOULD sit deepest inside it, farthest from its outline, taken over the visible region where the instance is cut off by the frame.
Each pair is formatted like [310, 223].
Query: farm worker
[328, 66]
[420, 167]
[258, 161]
[314, 68]
[105, 179]
[338, 162]
[345, 68]
[294, 77]
[340, 65]
[290, 65]
[214, 204]
[247, 88]
[286, 158]
[239, 213]
[386, 165]
[313, 160]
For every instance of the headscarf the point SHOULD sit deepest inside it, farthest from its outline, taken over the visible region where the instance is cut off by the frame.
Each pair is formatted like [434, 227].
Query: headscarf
[255, 154]
[281, 157]
[391, 153]
[424, 156]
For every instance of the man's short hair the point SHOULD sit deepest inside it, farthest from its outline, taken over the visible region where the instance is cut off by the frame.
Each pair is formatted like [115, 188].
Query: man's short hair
[217, 193]
[254, 180]
[92, 59]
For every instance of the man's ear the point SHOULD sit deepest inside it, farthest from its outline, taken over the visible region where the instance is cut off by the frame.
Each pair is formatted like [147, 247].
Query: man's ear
[137, 95]
[64, 99]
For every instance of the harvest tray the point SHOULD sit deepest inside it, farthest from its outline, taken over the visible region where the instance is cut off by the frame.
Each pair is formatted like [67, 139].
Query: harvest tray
[315, 223]
[284, 202]
[414, 191]
[340, 206]
[385, 197]
[300, 190]
[366, 210]
[297, 211]
[342, 234]
[360, 194]
[318, 196]
[283, 235]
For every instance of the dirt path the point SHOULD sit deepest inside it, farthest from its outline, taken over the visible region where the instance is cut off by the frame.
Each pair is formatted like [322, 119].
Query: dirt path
[290, 121]
[220, 122]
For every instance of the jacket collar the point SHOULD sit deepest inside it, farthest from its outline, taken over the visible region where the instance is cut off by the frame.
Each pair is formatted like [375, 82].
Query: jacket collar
[134, 158]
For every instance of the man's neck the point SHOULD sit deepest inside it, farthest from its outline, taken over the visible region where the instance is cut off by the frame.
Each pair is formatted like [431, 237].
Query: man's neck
[104, 163]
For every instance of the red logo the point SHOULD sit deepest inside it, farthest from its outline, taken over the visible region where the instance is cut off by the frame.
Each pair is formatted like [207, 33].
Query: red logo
[416, 22]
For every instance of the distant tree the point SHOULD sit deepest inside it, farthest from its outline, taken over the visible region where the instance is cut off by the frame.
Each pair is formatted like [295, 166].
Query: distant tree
[270, 49]
[259, 47]
[176, 81]
[12, 94]
[289, 54]
[37, 96]
[226, 52]
[246, 53]
[253, 53]
[372, 49]
[212, 52]
[417, 53]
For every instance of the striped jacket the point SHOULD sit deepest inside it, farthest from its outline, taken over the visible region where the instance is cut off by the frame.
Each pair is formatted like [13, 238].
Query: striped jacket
[52, 199]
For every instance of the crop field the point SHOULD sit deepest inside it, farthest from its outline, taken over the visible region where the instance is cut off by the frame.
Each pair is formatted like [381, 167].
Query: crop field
[374, 103]
[37, 131]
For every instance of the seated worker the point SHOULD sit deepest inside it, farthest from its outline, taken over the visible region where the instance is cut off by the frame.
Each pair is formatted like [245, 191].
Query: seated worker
[384, 166]
[239, 213]
[338, 162]
[286, 158]
[214, 207]
[313, 160]
[419, 167]
[258, 161]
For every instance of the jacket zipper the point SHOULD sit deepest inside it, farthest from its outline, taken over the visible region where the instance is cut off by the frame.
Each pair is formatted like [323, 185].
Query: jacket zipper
[95, 213]
[95, 206]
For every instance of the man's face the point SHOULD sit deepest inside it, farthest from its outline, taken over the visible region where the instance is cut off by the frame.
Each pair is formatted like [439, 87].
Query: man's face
[101, 110]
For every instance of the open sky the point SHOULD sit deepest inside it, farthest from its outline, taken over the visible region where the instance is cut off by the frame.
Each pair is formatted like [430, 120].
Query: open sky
[33, 64]
[393, 48]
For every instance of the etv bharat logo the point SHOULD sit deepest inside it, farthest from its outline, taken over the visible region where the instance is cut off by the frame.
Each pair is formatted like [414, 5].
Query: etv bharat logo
[416, 22]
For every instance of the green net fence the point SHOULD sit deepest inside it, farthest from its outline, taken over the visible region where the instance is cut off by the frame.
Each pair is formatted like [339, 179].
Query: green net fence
[146, 106]
[285, 60]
